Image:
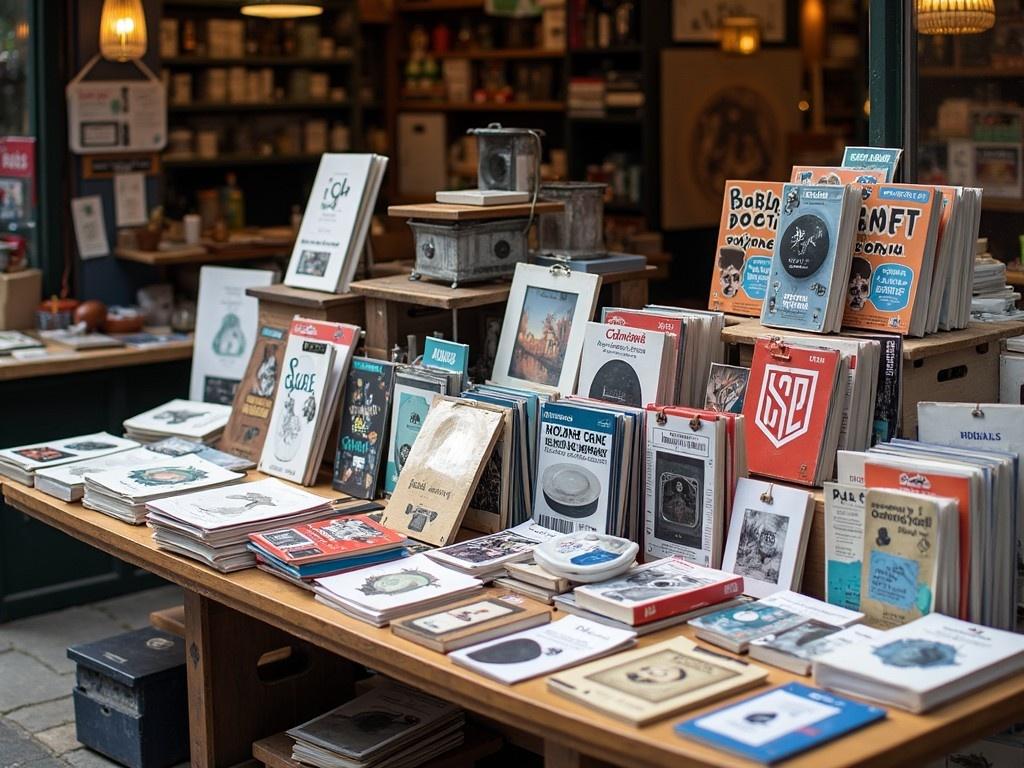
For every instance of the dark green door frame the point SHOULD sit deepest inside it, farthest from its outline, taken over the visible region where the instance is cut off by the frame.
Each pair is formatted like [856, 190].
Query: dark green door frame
[892, 75]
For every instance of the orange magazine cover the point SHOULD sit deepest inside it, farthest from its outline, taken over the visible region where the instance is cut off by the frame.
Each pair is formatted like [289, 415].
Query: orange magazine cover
[832, 174]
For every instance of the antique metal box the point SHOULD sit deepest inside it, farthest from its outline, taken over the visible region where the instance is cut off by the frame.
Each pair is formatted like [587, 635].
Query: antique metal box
[131, 698]
[466, 252]
[578, 231]
[509, 158]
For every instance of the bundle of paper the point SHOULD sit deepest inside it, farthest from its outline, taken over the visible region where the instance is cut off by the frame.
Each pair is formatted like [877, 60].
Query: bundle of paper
[214, 525]
[533, 581]
[21, 462]
[923, 664]
[383, 593]
[124, 492]
[391, 726]
[308, 551]
[487, 556]
[735, 628]
[189, 419]
[316, 362]
[955, 305]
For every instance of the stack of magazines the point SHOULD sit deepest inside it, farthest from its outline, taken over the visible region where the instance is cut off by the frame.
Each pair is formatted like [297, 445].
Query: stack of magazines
[213, 526]
[391, 726]
[192, 420]
[23, 461]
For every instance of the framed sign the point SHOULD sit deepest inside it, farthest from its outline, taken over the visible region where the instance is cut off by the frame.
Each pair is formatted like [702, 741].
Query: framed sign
[698, 21]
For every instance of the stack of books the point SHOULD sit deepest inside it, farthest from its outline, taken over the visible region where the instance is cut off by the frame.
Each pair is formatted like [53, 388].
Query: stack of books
[486, 557]
[391, 726]
[992, 299]
[534, 581]
[213, 526]
[302, 553]
[124, 492]
[586, 96]
[189, 419]
[21, 462]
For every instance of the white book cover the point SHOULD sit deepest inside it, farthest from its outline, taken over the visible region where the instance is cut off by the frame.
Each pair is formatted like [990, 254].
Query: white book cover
[1011, 379]
[541, 650]
[172, 475]
[237, 505]
[11, 340]
[74, 474]
[844, 543]
[328, 233]
[622, 365]
[685, 490]
[225, 331]
[53, 453]
[794, 602]
[767, 536]
[850, 467]
[300, 395]
[384, 588]
[186, 418]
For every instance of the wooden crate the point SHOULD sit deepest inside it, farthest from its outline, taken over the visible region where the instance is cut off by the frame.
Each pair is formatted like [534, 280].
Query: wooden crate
[280, 303]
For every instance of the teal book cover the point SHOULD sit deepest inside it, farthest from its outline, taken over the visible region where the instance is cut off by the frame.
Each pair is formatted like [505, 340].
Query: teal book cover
[446, 355]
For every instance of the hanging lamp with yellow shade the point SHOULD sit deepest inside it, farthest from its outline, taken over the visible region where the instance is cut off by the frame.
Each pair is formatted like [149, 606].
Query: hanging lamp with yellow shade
[122, 30]
[955, 17]
[275, 9]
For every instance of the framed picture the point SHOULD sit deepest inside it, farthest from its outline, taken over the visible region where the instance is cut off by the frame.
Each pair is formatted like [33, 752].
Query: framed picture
[698, 21]
[731, 122]
[545, 322]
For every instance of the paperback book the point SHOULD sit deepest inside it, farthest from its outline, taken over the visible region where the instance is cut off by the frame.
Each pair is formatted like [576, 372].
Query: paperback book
[623, 365]
[826, 174]
[192, 420]
[411, 399]
[21, 462]
[246, 431]
[844, 543]
[362, 429]
[796, 648]
[881, 159]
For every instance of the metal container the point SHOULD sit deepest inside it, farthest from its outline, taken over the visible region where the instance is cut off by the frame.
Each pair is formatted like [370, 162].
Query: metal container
[578, 231]
[466, 252]
[509, 158]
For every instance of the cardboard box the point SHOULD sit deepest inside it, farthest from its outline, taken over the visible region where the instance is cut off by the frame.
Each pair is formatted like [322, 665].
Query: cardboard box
[20, 294]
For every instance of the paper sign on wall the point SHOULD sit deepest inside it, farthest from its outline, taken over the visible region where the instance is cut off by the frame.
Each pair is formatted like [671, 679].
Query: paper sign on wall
[90, 231]
[129, 199]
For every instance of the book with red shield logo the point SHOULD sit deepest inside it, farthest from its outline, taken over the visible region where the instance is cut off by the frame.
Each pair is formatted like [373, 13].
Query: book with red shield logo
[793, 424]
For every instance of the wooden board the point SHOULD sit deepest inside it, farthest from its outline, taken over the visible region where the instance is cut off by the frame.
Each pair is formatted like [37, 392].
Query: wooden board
[447, 212]
[302, 298]
[170, 620]
[902, 739]
[184, 254]
[65, 360]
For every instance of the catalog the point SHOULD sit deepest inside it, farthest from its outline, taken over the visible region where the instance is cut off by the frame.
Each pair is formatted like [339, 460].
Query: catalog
[844, 543]
[541, 650]
[246, 431]
[623, 365]
[746, 240]
[226, 320]
[363, 421]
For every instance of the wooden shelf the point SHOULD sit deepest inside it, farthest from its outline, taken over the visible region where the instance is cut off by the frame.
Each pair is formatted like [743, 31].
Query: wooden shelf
[1002, 204]
[411, 105]
[232, 159]
[488, 54]
[276, 106]
[447, 212]
[64, 360]
[259, 61]
[610, 51]
[303, 298]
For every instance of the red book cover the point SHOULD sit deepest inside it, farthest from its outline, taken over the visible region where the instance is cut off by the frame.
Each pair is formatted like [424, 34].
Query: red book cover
[699, 597]
[327, 540]
[787, 408]
[339, 334]
[675, 327]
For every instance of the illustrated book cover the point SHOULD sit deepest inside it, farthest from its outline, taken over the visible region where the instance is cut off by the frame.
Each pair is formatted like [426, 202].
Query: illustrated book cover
[330, 539]
[844, 543]
[623, 365]
[362, 430]
[410, 402]
[246, 431]
[873, 159]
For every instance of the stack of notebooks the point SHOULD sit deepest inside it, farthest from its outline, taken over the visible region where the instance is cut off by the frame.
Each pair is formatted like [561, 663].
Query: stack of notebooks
[23, 461]
[189, 419]
[391, 726]
[213, 526]
[382, 593]
[302, 553]
[486, 557]
[124, 492]
[534, 581]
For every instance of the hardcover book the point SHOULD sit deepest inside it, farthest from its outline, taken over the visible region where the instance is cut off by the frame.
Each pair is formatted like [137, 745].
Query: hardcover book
[410, 403]
[246, 431]
[363, 421]
[746, 241]
[734, 628]
[844, 543]
[623, 365]
[654, 682]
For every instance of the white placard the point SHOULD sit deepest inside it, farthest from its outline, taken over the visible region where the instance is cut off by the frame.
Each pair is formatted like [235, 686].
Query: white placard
[90, 231]
[130, 199]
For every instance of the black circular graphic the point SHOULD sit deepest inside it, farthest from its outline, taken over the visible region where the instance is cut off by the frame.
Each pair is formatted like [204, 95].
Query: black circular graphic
[509, 652]
[617, 382]
[804, 246]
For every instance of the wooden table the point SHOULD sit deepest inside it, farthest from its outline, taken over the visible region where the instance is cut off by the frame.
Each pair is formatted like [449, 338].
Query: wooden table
[234, 619]
[64, 360]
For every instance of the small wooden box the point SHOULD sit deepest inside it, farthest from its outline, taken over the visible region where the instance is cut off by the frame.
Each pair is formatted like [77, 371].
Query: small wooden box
[20, 293]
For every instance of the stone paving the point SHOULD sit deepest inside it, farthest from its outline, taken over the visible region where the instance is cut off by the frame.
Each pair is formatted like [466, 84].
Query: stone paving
[37, 719]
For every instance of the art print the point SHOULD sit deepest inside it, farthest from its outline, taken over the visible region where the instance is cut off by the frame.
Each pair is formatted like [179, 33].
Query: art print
[163, 476]
[727, 388]
[350, 529]
[247, 501]
[679, 503]
[398, 582]
[661, 676]
[542, 335]
[299, 406]
[313, 263]
[761, 545]
[287, 539]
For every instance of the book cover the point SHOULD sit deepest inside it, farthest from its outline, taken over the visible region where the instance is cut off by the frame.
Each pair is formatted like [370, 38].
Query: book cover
[486, 553]
[889, 389]
[893, 256]
[830, 174]
[52, 453]
[410, 403]
[471, 621]
[844, 543]
[446, 355]
[746, 241]
[804, 258]
[727, 388]
[171, 476]
[674, 328]
[622, 365]
[246, 431]
[787, 410]
[873, 158]
[783, 722]
[815, 638]
[363, 421]
[331, 539]
[185, 418]
[575, 468]
[744, 623]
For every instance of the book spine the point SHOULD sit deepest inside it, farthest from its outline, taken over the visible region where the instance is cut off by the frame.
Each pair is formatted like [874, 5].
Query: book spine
[690, 601]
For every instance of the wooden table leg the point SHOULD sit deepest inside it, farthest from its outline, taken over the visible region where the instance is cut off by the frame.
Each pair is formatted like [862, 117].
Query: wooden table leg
[381, 327]
[248, 680]
[630, 294]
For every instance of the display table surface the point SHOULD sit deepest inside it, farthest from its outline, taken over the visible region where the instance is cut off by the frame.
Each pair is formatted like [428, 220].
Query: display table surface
[224, 605]
[61, 359]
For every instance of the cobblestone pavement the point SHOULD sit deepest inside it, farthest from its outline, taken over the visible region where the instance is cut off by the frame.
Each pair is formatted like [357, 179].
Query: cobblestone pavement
[37, 719]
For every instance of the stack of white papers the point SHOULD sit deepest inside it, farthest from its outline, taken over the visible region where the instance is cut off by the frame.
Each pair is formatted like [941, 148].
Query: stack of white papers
[21, 462]
[179, 418]
[386, 592]
[214, 525]
[124, 492]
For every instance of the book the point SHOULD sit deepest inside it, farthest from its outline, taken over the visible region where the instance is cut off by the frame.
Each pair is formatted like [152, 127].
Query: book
[623, 365]
[179, 418]
[608, 264]
[826, 174]
[411, 399]
[796, 648]
[446, 355]
[656, 681]
[334, 226]
[1011, 379]
[727, 388]
[22, 461]
[542, 650]
[73, 339]
[491, 553]
[442, 470]
[542, 333]
[332, 539]
[674, 329]
[924, 663]
[226, 321]
[483, 197]
[14, 340]
[844, 543]
[811, 258]
[873, 158]
[470, 622]
[246, 430]
[362, 427]
[735, 627]
[783, 722]
[768, 534]
[566, 603]
[657, 590]
[746, 241]
[531, 573]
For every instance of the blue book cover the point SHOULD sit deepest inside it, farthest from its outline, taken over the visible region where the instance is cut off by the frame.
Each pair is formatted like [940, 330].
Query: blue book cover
[873, 158]
[803, 260]
[446, 355]
[743, 623]
[325, 567]
[781, 723]
[412, 399]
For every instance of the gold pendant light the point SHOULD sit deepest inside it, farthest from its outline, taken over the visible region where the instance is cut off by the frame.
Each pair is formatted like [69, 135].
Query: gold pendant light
[955, 17]
[122, 30]
[275, 9]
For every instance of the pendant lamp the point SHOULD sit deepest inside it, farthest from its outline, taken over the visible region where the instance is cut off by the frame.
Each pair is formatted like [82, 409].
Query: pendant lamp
[955, 17]
[275, 9]
[122, 30]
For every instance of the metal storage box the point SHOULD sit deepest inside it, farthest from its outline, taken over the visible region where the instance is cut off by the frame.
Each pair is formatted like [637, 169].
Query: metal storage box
[468, 252]
[578, 231]
[131, 698]
[509, 158]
